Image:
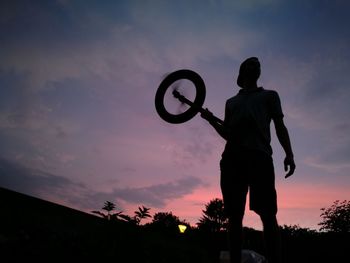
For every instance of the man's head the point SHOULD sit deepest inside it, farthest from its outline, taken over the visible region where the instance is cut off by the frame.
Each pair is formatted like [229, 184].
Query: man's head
[249, 71]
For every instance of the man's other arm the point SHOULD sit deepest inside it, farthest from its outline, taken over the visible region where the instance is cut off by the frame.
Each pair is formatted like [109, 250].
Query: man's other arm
[283, 138]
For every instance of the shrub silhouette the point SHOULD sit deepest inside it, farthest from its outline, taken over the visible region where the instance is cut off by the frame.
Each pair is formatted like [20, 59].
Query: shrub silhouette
[336, 218]
[213, 218]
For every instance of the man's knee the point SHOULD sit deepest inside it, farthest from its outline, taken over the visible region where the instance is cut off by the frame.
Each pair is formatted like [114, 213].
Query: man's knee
[269, 220]
[235, 220]
[236, 216]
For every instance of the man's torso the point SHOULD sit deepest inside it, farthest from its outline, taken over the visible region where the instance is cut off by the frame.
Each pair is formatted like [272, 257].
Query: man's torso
[249, 118]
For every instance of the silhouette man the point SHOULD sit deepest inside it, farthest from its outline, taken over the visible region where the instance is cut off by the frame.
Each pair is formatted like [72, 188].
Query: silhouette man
[247, 163]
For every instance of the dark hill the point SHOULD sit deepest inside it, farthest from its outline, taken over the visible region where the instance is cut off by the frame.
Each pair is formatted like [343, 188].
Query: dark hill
[33, 229]
[42, 231]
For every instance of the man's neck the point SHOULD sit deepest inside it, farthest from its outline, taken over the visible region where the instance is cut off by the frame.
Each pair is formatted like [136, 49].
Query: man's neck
[250, 86]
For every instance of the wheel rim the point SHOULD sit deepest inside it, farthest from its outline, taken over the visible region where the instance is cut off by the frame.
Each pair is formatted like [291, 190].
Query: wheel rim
[198, 101]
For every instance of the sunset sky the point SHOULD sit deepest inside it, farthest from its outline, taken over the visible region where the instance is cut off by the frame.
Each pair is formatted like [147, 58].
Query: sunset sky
[78, 124]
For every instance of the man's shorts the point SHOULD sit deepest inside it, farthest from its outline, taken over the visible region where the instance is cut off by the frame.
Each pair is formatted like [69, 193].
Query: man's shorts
[243, 170]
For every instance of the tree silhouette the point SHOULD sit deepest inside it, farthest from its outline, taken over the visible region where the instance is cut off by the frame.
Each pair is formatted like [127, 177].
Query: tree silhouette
[141, 213]
[166, 222]
[165, 219]
[213, 218]
[336, 218]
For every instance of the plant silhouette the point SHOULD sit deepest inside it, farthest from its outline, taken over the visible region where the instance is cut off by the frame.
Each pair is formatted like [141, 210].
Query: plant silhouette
[142, 213]
[213, 218]
[109, 207]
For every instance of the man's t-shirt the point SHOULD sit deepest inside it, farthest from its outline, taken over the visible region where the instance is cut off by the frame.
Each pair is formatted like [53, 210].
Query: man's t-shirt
[248, 116]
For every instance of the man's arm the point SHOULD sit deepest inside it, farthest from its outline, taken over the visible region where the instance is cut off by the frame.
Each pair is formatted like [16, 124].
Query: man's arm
[219, 127]
[283, 137]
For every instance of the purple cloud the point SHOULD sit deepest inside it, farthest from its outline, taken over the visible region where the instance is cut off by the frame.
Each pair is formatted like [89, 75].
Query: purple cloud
[49, 186]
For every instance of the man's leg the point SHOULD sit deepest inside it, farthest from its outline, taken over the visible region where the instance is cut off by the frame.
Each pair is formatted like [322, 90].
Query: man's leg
[235, 228]
[272, 238]
[234, 190]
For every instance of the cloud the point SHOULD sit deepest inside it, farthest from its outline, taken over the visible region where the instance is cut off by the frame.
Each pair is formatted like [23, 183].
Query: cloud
[116, 67]
[246, 4]
[36, 182]
[157, 195]
[18, 177]
[332, 160]
[313, 90]
[197, 146]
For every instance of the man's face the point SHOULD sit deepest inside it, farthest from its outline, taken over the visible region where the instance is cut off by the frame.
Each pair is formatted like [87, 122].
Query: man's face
[249, 71]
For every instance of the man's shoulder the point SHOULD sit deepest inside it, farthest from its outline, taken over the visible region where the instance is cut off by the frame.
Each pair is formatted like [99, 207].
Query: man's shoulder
[269, 94]
[231, 99]
[261, 91]
[269, 91]
[264, 94]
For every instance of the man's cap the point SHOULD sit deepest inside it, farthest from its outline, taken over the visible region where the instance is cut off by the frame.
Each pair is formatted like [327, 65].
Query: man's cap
[250, 68]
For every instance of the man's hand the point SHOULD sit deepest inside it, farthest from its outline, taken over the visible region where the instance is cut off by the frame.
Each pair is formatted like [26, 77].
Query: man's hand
[289, 162]
[207, 115]
[217, 124]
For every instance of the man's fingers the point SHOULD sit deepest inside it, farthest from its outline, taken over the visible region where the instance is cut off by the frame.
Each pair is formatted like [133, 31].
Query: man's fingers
[291, 170]
[289, 173]
[289, 163]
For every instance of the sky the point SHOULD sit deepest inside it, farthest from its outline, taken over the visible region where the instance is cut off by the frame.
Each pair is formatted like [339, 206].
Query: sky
[78, 125]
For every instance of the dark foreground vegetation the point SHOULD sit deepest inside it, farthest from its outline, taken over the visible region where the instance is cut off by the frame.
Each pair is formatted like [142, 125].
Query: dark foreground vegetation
[35, 230]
